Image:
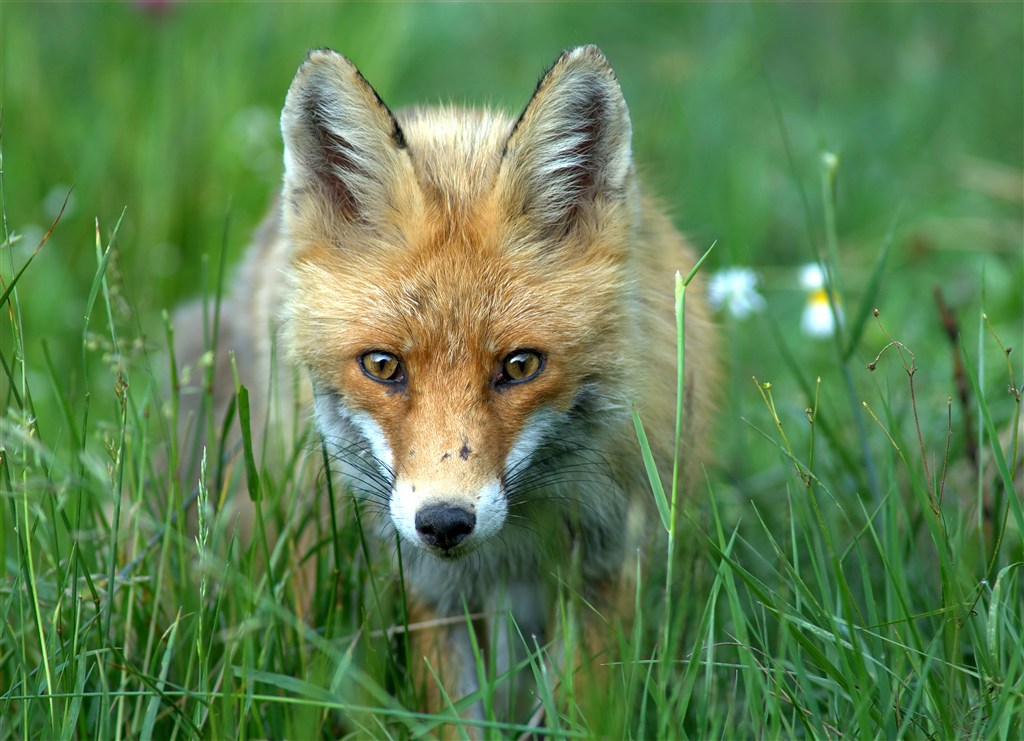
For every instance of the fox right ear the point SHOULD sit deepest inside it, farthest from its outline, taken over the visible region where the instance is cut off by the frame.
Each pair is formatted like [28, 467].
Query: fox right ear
[571, 146]
[342, 145]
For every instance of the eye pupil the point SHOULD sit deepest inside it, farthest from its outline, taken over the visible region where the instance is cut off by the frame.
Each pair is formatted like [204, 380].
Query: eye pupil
[381, 366]
[522, 365]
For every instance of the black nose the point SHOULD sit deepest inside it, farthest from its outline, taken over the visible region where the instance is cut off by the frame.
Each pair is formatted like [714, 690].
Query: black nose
[444, 526]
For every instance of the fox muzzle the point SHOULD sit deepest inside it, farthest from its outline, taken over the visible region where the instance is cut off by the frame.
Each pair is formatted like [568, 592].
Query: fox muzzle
[444, 526]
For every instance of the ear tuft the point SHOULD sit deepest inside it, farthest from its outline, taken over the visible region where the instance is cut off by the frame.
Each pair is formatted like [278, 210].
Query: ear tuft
[571, 145]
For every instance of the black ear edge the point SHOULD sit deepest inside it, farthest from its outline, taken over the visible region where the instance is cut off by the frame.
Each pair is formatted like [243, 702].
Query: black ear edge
[589, 52]
[326, 84]
[329, 56]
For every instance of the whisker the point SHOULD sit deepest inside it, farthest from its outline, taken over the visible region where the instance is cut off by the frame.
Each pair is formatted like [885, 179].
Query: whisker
[366, 478]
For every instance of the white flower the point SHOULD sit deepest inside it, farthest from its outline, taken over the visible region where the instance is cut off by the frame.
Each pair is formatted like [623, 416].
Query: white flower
[735, 289]
[811, 276]
[817, 319]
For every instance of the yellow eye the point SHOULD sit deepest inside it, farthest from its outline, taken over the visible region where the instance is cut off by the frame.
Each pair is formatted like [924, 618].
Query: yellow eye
[520, 366]
[382, 366]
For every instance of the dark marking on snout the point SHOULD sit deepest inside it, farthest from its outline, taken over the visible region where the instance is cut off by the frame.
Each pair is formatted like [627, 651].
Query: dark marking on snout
[465, 451]
[444, 526]
[445, 457]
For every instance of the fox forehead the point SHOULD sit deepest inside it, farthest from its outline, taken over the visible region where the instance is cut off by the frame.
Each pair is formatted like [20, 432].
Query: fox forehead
[455, 152]
[451, 302]
[454, 275]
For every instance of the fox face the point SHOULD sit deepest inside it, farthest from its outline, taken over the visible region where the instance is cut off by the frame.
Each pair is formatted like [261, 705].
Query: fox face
[460, 289]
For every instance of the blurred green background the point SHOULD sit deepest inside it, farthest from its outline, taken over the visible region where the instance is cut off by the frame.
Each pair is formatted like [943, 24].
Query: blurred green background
[168, 112]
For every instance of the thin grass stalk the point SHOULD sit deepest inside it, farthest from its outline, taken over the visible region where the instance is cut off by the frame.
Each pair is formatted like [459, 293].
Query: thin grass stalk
[25, 530]
[1005, 498]
[401, 594]
[680, 313]
[28, 569]
[10, 295]
[705, 633]
[121, 385]
[829, 171]
[174, 484]
[153, 706]
[991, 549]
[483, 666]
[1013, 504]
[202, 541]
[211, 330]
[680, 298]
[118, 481]
[103, 256]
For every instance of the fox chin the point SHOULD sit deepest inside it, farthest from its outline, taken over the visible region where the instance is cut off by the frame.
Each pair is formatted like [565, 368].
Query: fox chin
[473, 305]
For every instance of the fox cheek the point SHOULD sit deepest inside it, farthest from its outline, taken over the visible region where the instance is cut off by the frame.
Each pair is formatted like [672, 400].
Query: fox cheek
[533, 434]
[336, 422]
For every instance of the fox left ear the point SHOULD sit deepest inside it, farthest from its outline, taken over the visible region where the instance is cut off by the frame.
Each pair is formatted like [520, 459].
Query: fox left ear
[571, 146]
[344, 150]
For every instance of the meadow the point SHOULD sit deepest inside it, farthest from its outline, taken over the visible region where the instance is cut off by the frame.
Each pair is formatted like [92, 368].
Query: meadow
[852, 564]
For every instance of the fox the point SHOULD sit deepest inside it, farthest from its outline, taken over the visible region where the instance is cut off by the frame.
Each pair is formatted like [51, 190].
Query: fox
[471, 306]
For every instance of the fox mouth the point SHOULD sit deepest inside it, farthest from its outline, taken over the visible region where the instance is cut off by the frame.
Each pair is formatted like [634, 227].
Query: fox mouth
[452, 554]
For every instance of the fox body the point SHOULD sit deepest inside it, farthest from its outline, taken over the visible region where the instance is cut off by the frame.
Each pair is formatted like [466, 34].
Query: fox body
[478, 303]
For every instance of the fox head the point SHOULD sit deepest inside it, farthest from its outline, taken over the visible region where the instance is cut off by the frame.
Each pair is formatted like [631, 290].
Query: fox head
[459, 287]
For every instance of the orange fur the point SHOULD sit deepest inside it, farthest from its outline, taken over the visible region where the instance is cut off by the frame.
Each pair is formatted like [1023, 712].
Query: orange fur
[448, 241]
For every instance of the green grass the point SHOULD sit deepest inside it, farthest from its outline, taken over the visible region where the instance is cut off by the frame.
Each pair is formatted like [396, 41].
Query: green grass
[852, 565]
